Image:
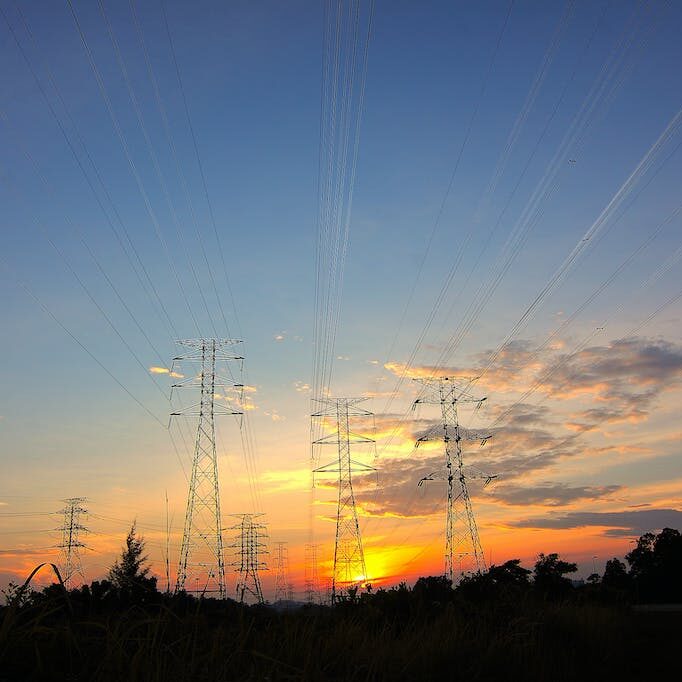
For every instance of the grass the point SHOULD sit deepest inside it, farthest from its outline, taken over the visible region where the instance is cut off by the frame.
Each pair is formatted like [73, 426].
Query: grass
[389, 637]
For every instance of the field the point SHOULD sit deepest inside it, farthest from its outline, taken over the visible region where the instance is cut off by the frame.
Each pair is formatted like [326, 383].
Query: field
[392, 635]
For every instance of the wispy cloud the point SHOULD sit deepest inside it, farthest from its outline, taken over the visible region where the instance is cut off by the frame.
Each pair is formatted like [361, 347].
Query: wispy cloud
[549, 494]
[616, 523]
[301, 387]
[165, 370]
[614, 383]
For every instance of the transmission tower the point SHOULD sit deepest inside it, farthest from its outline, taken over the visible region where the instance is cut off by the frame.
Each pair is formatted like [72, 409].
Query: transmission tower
[349, 558]
[461, 533]
[201, 552]
[249, 546]
[282, 583]
[312, 578]
[70, 547]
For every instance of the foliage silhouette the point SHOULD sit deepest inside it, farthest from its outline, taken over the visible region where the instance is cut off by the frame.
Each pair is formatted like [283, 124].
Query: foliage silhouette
[496, 624]
[129, 576]
[656, 566]
[549, 572]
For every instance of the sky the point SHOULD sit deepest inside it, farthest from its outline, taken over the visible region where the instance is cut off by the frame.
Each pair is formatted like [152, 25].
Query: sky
[508, 182]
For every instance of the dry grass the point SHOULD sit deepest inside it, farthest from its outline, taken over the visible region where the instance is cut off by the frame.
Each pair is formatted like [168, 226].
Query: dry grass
[385, 638]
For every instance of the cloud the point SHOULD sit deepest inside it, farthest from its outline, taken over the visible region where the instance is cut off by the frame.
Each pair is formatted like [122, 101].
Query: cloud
[301, 387]
[24, 551]
[619, 523]
[549, 494]
[165, 370]
[525, 414]
[608, 384]
[627, 373]
[623, 378]
[280, 336]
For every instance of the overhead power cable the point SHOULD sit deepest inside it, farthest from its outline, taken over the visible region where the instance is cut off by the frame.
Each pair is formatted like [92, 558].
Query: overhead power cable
[97, 361]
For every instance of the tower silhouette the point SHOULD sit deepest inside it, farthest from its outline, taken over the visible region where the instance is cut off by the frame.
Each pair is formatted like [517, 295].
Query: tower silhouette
[249, 547]
[349, 558]
[201, 552]
[70, 546]
[461, 532]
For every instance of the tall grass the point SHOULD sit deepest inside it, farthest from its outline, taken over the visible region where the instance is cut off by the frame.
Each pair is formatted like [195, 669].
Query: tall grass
[397, 638]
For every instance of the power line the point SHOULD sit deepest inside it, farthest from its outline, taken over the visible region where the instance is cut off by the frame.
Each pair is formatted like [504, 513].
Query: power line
[166, 319]
[50, 314]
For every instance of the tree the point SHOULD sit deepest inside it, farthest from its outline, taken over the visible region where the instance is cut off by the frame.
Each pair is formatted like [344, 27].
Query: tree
[593, 579]
[656, 566]
[495, 583]
[641, 558]
[433, 589]
[129, 575]
[509, 573]
[616, 575]
[549, 572]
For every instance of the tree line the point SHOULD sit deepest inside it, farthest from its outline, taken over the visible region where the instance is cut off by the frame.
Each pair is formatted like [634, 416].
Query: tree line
[651, 572]
[508, 622]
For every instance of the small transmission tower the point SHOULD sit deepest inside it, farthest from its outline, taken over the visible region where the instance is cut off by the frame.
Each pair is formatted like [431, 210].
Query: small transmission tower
[71, 545]
[312, 578]
[282, 583]
[349, 558]
[201, 553]
[249, 546]
[461, 533]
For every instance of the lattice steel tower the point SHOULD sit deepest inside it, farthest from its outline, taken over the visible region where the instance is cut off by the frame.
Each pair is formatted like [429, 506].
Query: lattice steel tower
[201, 552]
[312, 578]
[282, 582]
[349, 558]
[461, 533]
[249, 547]
[70, 560]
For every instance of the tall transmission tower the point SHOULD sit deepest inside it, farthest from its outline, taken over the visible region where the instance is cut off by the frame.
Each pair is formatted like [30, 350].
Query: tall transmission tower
[461, 533]
[249, 547]
[312, 578]
[282, 582]
[201, 552]
[349, 558]
[70, 560]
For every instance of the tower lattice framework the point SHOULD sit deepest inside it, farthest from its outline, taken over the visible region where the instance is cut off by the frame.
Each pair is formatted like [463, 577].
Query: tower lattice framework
[70, 546]
[249, 546]
[201, 553]
[349, 558]
[461, 531]
[282, 582]
[312, 578]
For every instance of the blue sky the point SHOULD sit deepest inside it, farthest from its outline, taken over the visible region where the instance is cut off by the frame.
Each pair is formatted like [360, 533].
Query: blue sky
[252, 79]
